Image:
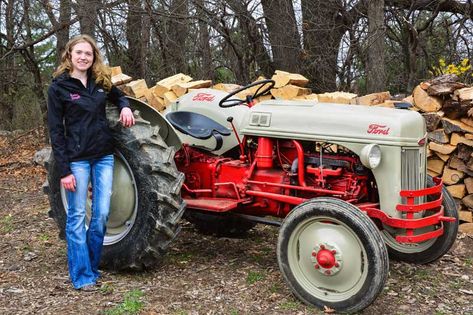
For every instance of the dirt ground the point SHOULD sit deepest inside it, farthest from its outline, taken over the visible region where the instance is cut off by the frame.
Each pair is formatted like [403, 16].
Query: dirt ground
[201, 274]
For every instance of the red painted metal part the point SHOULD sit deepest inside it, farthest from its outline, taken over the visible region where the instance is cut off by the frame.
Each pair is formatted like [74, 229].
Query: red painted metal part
[411, 207]
[240, 143]
[197, 191]
[406, 223]
[326, 172]
[300, 160]
[326, 258]
[307, 189]
[282, 198]
[264, 154]
[261, 186]
[212, 204]
[410, 224]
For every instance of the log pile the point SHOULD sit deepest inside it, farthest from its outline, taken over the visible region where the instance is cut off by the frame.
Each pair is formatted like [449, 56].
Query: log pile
[445, 104]
[447, 107]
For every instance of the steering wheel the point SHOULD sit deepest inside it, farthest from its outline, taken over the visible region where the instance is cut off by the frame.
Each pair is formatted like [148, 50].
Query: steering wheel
[227, 101]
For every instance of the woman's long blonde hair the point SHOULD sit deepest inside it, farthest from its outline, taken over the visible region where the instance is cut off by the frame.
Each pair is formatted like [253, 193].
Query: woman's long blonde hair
[99, 70]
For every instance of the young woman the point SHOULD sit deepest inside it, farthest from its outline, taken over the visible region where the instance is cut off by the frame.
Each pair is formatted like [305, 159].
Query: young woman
[83, 149]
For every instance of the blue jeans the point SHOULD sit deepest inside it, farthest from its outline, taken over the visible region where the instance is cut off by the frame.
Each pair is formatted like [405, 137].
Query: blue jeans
[84, 247]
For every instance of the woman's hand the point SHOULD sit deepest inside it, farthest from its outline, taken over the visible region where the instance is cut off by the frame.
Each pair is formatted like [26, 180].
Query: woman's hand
[69, 182]
[126, 117]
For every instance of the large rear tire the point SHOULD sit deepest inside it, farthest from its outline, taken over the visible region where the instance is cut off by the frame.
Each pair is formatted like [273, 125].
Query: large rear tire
[331, 254]
[430, 250]
[146, 205]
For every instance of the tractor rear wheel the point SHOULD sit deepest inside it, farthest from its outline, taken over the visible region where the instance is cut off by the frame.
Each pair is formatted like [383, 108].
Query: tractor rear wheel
[331, 254]
[430, 250]
[146, 205]
[221, 225]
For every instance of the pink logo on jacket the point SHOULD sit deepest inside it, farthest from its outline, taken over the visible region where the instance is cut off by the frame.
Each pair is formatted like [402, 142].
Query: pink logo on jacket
[74, 96]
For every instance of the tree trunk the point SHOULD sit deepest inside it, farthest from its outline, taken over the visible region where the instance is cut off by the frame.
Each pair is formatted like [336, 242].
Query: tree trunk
[115, 54]
[175, 37]
[323, 29]
[283, 34]
[146, 37]
[87, 11]
[33, 66]
[410, 42]
[412, 58]
[375, 68]
[252, 46]
[135, 66]
[63, 34]
[204, 50]
[31, 63]
[8, 67]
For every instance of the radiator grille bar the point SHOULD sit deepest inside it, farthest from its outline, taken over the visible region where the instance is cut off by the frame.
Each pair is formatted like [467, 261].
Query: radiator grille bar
[413, 168]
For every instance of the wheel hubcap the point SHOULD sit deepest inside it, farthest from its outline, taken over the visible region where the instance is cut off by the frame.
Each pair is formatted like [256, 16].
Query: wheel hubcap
[327, 259]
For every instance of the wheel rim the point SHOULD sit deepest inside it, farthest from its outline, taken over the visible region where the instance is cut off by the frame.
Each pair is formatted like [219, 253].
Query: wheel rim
[123, 205]
[389, 235]
[348, 269]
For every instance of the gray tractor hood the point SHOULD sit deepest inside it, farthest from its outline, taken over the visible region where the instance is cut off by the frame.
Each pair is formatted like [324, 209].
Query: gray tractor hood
[306, 120]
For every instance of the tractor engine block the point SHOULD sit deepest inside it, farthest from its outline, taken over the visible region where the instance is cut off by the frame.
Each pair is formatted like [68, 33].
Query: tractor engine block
[254, 183]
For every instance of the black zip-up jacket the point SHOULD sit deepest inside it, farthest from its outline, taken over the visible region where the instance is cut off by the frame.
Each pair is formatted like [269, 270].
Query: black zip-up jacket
[77, 122]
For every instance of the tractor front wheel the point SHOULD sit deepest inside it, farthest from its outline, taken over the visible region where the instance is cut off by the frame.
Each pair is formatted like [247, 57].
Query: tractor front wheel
[331, 254]
[430, 250]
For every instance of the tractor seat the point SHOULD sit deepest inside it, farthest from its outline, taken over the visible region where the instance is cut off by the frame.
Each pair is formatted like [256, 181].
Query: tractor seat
[198, 126]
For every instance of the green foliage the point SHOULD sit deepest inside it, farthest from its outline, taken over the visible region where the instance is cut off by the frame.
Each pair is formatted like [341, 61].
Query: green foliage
[361, 84]
[275, 288]
[6, 224]
[26, 112]
[455, 285]
[422, 274]
[254, 276]
[21, 102]
[224, 75]
[26, 248]
[20, 91]
[46, 53]
[290, 305]
[106, 289]
[132, 304]
[431, 44]
[462, 69]
[181, 257]
[44, 237]
[469, 262]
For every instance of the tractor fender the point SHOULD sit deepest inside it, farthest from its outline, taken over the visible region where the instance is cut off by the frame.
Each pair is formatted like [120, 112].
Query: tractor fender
[166, 130]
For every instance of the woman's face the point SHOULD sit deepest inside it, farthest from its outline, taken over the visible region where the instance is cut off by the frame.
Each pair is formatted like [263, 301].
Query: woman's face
[82, 57]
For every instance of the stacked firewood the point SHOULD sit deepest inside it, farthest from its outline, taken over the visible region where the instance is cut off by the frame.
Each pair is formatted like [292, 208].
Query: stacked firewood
[445, 103]
[447, 106]
[163, 93]
[288, 86]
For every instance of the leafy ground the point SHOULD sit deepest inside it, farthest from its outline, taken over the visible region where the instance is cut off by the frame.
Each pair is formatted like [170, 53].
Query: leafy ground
[201, 274]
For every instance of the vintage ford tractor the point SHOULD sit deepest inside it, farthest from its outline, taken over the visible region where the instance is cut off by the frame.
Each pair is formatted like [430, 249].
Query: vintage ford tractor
[346, 184]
